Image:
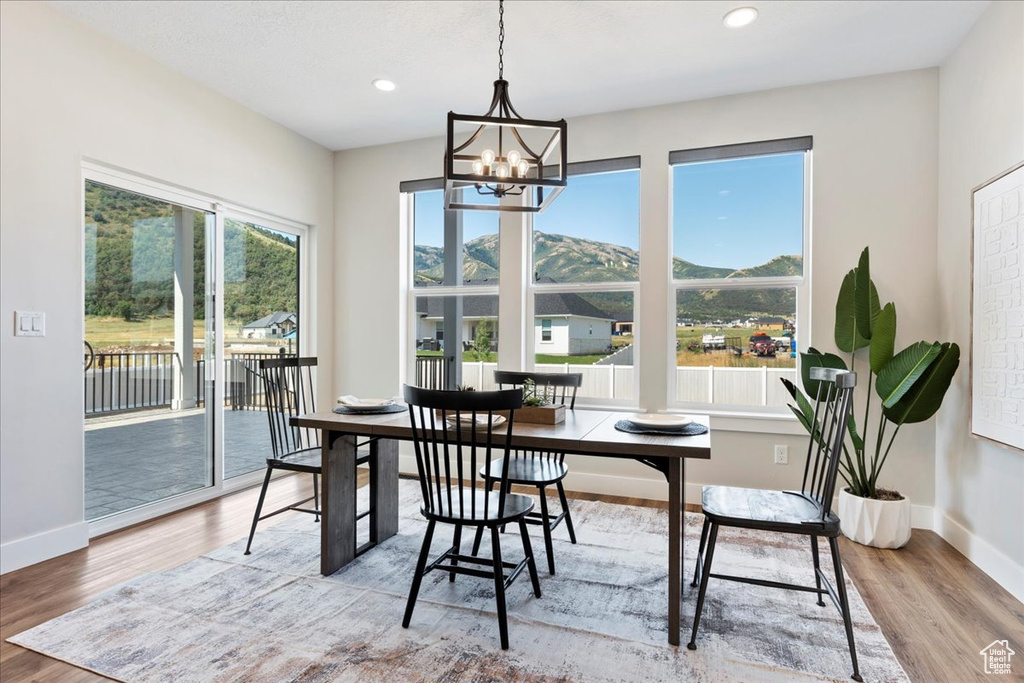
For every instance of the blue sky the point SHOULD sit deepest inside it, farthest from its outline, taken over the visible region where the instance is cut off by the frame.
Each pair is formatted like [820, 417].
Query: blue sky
[739, 212]
[604, 207]
[734, 213]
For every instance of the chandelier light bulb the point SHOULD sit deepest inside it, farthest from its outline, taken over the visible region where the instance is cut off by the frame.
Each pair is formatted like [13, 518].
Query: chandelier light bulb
[513, 158]
[487, 157]
[502, 171]
[524, 168]
[478, 167]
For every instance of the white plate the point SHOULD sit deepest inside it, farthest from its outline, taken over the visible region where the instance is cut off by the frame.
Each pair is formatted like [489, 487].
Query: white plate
[660, 421]
[467, 419]
[357, 404]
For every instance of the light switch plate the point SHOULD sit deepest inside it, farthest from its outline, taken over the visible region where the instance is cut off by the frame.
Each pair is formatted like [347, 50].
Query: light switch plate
[29, 324]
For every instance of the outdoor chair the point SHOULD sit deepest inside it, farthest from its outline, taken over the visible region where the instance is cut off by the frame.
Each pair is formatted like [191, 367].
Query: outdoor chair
[451, 428]
[538, 468]
[806, 512]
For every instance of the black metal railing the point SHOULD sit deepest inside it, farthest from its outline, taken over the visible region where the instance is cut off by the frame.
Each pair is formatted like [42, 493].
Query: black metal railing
[130, 381]
[431, 372]
[244, 384]
[120, 382]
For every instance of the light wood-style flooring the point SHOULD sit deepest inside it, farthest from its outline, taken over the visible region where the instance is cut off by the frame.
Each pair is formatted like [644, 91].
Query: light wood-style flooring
[936, 609]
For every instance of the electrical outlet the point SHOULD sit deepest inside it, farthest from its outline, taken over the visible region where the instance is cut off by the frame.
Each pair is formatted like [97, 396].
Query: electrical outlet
[781, 455]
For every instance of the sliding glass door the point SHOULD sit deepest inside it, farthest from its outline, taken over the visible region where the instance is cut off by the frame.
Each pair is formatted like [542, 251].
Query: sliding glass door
[148, 423]
[182, 300]
[261, 320]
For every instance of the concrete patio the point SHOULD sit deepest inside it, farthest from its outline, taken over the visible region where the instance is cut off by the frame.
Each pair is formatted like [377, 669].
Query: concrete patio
[144, 457]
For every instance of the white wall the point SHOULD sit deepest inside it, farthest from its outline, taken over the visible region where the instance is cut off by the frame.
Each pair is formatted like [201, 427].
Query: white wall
[979, 487]
[875, 179]
[70, 93]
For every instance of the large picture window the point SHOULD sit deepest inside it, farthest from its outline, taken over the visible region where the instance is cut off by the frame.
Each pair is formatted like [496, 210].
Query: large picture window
[454, 292]
[586, 268]
[739, 230]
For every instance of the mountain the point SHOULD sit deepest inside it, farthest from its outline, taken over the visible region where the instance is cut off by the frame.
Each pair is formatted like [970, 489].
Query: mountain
[560, 258]
[129, 260]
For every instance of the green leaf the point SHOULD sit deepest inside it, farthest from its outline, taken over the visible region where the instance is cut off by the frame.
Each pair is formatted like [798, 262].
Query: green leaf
[883, 337]
[925, 396]
[848, 338]
[804, 412]
[863, 289]
[857, 439]
[903, 370]
[816, 360]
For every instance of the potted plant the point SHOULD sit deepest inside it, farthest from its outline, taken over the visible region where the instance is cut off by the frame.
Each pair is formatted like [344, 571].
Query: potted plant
[908, 387]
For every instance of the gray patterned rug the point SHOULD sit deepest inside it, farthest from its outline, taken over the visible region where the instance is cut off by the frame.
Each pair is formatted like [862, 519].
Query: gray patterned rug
[270, 616]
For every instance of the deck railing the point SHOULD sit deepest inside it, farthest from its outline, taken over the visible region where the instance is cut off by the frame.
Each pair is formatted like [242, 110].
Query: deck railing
[120, 382]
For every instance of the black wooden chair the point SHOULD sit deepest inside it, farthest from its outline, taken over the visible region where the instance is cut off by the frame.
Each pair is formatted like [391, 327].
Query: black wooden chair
[452, 429]
[539, 468]
[807, 511]
[288, 391]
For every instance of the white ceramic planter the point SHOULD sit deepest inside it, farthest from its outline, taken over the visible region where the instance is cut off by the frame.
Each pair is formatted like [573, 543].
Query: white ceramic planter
[877, 523]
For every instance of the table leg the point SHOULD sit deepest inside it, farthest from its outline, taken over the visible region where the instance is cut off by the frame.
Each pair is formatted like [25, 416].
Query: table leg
[338, 510]
[383, 489]
[675, 549]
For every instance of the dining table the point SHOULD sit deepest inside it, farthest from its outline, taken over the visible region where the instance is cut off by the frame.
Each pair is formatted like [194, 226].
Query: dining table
[584, 432]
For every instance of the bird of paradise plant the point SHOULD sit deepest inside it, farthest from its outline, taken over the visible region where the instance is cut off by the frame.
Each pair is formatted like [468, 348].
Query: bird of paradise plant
[909, 385]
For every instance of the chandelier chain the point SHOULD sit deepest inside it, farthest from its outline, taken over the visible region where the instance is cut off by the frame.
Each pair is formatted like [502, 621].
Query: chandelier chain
[501, 39]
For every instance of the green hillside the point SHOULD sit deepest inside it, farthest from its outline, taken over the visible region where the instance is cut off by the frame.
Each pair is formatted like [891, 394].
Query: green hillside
[560, 258]
[129, 261]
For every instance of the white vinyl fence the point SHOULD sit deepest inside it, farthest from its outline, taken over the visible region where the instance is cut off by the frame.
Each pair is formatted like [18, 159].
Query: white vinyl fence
[736, 386]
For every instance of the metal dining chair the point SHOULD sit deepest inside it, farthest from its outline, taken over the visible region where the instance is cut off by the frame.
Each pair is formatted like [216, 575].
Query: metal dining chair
[806, 512]
[451, 429]
[539, 468]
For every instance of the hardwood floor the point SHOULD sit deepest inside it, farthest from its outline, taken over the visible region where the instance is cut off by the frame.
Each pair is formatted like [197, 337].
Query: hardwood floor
[936, 609]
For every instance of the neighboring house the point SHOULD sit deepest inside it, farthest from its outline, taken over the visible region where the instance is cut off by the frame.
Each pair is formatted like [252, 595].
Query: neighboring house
[273, 326]
[564, 324]
[769, 321]
[623, 326]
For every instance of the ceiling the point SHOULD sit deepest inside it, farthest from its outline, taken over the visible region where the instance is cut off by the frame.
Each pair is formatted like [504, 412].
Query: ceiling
[309, 65]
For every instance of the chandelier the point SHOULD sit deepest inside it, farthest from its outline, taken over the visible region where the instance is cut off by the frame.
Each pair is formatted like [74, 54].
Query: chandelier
[503, 154]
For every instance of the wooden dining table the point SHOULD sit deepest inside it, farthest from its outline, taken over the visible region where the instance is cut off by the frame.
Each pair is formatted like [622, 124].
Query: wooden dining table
[584, 432]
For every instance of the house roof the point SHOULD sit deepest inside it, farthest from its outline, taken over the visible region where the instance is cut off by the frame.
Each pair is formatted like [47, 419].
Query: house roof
[275, 318]
[550, 304]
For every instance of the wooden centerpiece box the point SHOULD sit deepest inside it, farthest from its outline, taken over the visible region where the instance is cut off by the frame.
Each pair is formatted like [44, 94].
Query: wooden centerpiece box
[544, 415]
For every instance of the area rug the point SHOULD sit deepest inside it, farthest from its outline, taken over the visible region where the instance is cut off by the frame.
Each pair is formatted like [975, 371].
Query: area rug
[270, 616]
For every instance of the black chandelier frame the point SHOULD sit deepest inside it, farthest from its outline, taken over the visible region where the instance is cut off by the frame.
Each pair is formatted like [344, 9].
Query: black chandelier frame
[547, 172]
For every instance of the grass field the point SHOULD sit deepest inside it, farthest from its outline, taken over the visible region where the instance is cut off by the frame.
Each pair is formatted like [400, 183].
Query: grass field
[727, 359]
[109, 334]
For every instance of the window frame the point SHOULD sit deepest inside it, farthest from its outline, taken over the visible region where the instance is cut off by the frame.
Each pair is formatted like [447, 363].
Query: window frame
[579, 168]
[130, 181]
[800, 284]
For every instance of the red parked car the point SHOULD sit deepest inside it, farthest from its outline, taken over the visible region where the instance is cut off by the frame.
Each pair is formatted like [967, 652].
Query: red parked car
[762, 345]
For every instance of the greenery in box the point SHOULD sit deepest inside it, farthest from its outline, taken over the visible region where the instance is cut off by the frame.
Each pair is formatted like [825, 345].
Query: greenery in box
[909, 385]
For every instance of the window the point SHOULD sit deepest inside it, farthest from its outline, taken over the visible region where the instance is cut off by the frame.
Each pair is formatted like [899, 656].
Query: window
[545, 330]
[586, 267]
[739, 230]
[454, 292]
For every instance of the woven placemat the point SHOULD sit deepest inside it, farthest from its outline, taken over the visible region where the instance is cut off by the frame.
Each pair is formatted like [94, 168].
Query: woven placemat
[393, 408]
[692, 429]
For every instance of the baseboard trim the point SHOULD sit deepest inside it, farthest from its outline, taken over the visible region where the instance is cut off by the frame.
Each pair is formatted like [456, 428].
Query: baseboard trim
[49, 544]
[921, 516]
[983, 554]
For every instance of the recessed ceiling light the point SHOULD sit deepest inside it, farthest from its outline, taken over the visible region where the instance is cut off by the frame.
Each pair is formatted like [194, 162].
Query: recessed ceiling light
[383, 84]
[741, 16]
